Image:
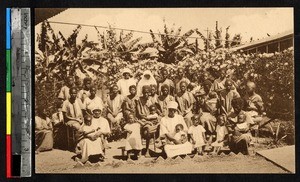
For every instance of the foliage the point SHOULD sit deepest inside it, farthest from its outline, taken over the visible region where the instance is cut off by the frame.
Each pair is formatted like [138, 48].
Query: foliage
[236, 40]
[172, 48]
[218, 37]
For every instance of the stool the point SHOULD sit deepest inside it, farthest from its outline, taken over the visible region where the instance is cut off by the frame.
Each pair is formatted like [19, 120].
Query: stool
[123, 150]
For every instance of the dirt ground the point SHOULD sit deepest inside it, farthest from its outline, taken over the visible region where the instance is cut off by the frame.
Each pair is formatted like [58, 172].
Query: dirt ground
[59, 161]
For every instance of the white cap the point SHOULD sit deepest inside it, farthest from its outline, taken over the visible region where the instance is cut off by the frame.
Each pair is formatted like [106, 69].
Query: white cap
[127, 70]
[172, 105]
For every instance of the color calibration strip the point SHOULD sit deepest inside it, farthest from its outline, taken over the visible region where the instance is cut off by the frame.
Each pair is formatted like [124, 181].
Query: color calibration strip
[8, 96]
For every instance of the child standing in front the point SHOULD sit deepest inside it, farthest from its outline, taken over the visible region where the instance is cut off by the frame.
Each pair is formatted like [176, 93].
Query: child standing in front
[134, 139]
[197, 134]
[221, 133]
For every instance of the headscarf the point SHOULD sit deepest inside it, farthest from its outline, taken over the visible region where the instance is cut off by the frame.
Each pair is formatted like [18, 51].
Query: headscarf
[144, 81]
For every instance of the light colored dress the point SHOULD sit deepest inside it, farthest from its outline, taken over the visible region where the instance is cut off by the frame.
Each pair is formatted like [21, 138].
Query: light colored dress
[221, 133]
[197, 132]
[133, 140]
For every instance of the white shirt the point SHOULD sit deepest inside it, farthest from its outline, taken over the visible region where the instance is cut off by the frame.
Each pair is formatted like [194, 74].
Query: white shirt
[167, 125]
[102, 123]
[93, 103]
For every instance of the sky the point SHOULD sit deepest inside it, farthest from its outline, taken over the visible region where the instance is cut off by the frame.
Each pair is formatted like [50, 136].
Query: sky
[249, 22]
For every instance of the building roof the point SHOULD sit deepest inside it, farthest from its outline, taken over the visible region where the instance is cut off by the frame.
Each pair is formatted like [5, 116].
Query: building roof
[42, 14]
[263, 41]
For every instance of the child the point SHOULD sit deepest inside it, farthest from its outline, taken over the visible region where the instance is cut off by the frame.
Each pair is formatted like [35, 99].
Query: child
[180, 134]
[64, 91]
[221, 133]
[85, 92]
[197, 134]
[129, 101]
[153, 113]
[134, 139]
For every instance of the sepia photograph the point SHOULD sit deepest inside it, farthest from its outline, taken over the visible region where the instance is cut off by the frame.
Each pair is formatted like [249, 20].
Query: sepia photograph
[164, 90]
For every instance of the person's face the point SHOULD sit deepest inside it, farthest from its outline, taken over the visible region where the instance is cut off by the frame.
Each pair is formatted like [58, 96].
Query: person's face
[180, 73]
[73, 93]
[70, 82]
[126, 76]
[183, 87]
[130, 118]
[93, 91]
[146, 93]
[195, 121]
[164, 74]
[115, 90]
[152, 110]
[147, 76]
[205, 76]
[97, 113]
[241, 118]
[165, 91]
[171, 112]
[178, 129]
[132, 91]
[88, 121]
[228, 85]
[88, 84]
[153, 90]
[249, 89]
[236, 109]
[206, 88]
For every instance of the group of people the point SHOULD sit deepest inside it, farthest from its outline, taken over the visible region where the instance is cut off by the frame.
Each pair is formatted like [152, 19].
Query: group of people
[183, 116]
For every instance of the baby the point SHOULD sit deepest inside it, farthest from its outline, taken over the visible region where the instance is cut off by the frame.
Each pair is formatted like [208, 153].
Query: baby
[180, 135]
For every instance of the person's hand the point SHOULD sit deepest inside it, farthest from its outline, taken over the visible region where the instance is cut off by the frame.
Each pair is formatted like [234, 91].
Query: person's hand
[219, 141]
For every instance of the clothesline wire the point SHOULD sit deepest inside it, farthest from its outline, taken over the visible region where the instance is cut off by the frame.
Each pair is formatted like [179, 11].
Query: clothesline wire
[132, 30]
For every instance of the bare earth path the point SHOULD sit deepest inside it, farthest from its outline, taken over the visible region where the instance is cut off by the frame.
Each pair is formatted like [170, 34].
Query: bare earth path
[58, 161]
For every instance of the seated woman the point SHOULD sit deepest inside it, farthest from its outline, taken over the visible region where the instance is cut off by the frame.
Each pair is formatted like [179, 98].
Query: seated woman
[201, 108]
[163, 99]
[239, 128]
[43, 131]
[173, 147]
[114, 102]
[185, 101]
[90, 143]
[254, 105]
[142, 108]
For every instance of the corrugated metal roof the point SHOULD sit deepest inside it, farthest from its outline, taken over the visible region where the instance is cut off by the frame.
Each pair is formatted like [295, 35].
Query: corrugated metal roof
[262, 41]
